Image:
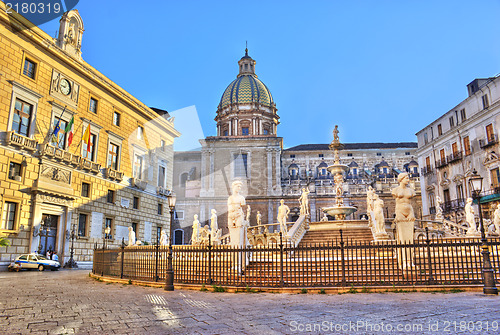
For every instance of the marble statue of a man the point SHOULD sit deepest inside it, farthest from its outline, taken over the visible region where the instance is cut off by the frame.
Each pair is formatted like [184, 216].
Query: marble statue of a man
[439, 209]
[283, 211]
[469, 218]
[259, 218]
[496, 219]
[195, 236]
[304, 202]
[163, 238]
[131, 237]
[214, 227]
[236, 216]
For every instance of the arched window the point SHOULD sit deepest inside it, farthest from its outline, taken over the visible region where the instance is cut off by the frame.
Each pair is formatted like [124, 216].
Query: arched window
[178, 236]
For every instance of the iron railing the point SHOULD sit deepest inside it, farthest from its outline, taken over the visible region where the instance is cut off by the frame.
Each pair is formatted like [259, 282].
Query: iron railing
[337, 263]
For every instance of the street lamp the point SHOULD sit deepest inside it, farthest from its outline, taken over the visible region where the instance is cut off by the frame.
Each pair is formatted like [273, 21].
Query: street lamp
[476, 186]
[169, 281]
[71, 264]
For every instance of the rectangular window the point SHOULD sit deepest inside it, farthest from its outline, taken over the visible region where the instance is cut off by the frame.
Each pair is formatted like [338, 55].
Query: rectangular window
[407, 153]
[266, 131]
[440, 130]
[442, 155]
[15, 170]
[29, 68]
[292, 156]
[467, 146]
[490, 135]
[113, 156]
[349, 154]
[426, 139]
[111, 196]
[108, 223]
[116, 119]
[454, 148]
[21, 121]
[452, 122]
[9, 215]
[59, 140]
[179, 215]
[138, 166]
[160, 209]
[495, 177]
[136, 203]
[486, 103]
[93, 105]
[428, 162]
[162, 145]
[379, 154]
[463, 116]
[244, 131]
[85, 190]
[225, 133]
[460, 191]
[240, 165]
[82, 224]
[140, 133]
[89, 151]
[161, 176]
[321, 155]
[134, 228]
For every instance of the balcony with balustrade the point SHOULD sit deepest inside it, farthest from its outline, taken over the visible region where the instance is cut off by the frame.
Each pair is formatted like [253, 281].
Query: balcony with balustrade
[23, 142]
[489, 141]
[455, 157]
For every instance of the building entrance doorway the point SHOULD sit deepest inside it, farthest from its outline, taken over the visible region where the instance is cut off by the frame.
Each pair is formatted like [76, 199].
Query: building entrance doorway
[48, 233]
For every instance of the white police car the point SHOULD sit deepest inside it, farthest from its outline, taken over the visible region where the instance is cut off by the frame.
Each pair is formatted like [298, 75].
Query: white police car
[34, 261]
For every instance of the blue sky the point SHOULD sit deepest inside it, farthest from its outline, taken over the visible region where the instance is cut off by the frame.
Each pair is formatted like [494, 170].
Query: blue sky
[382, 70]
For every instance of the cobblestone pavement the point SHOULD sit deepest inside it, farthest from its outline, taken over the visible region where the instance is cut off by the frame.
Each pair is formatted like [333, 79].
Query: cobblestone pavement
[67, 302]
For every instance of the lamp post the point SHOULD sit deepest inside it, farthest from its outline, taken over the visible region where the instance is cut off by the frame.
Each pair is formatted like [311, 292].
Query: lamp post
[71, 264]
[169, 276]
[476, 185]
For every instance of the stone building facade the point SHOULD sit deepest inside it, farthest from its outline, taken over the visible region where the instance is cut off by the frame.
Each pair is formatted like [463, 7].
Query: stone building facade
[462, 140]
[112, 168]
[247, 148]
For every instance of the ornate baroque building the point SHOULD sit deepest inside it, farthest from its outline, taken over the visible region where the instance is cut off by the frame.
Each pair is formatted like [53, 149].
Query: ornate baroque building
[247, 147]
[462, 140]
[78, 153]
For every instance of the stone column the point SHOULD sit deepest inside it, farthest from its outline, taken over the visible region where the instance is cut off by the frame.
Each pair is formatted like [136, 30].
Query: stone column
[236, 127]
[203, 172]
[269, 171]
[260, 127]
[277, 171]
[270, 211]
[211, 190]
[231, 127]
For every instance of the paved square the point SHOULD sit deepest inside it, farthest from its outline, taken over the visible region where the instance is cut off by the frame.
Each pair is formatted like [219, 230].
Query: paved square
[69, 302]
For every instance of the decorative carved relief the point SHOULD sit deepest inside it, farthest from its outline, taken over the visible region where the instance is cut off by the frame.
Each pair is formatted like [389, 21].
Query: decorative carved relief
[56, 174]
[491, 157]
[53, 199]
[458, 179]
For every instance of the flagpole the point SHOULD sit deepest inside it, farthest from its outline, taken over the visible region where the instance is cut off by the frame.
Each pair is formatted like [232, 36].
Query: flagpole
[50, 136]
[76, 151]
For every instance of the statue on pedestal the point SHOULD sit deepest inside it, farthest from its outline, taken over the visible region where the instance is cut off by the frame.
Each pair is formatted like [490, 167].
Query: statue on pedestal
[469, 218]
[304, 202]
[249, 212]
[163, 238]
[283, 211]
[439, 209]
[496, 219]
[215, 232]
[236, 216]
[195, 236]
[405, 218]
[379, 224]
[259, 218]
[131, 236]
[370, 192]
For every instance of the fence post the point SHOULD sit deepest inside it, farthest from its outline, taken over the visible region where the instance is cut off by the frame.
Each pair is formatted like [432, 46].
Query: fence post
[209, 281]
[157, 251]
[342, 256]
[123, 257]
[429, 259]
[282, 282]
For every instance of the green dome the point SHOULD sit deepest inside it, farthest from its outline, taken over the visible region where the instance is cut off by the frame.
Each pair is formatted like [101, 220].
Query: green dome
[246, 89]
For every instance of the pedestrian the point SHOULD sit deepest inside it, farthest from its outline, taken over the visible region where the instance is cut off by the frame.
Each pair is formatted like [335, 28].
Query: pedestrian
[54, 256]
[49, 253]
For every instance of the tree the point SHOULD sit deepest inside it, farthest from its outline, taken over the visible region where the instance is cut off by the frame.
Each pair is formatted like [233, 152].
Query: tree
[4, 242]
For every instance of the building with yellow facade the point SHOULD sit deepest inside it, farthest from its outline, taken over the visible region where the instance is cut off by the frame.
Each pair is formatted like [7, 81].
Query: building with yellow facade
[78, 153]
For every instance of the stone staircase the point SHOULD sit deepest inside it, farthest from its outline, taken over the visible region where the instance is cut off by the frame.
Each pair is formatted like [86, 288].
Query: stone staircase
[328, 235]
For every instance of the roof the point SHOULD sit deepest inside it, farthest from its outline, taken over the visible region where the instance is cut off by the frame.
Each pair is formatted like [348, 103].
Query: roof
[355, 146]
[246, 89]
[160, 111]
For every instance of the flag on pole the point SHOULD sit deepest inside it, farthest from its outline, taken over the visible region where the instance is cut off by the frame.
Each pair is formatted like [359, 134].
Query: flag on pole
[70, 130]
[86, 137]
[56, 130]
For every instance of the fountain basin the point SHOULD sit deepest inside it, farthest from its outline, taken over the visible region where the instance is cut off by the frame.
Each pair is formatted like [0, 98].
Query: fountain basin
[337, 168]
[339, 212]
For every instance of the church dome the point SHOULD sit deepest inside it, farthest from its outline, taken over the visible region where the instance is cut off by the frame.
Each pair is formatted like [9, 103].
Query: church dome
[246, 88]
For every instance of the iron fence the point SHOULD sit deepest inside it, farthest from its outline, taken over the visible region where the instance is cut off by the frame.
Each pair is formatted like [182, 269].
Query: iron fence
[337, 263]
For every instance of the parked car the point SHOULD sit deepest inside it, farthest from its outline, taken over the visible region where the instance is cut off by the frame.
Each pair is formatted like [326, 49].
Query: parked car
[34, 261]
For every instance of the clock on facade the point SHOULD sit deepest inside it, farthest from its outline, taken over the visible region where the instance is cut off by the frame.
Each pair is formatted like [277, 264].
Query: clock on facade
[65, 87]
